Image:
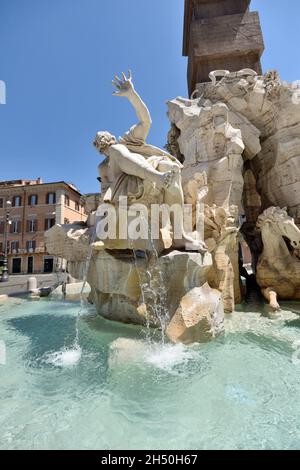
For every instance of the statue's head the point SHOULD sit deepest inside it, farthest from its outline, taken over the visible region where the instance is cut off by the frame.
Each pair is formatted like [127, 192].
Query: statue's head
[104, 140]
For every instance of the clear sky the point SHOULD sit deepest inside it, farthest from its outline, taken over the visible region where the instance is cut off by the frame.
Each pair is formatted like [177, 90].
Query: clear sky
[58, 58]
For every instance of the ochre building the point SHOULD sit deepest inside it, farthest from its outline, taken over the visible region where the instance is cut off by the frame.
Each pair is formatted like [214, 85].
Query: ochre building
[35, 207]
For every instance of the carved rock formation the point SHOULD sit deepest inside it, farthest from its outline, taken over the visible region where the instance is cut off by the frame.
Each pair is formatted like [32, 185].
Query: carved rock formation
[242, 131]
[121, 284]
[191, 324]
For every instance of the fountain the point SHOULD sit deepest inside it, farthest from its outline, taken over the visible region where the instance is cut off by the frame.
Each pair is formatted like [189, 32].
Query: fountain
[142, 211]
[184, 209]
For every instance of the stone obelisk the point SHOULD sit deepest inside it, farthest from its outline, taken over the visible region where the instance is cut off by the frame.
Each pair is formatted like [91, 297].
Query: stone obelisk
[220, 34]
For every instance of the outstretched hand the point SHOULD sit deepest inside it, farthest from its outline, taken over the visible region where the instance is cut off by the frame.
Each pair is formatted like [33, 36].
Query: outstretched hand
[124, 86]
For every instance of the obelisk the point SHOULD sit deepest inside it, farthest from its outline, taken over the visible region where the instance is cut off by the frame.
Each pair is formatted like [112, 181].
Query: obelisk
[220, 34]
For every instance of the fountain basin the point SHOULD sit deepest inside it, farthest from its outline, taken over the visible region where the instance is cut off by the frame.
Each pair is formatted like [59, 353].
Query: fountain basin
[123, 392]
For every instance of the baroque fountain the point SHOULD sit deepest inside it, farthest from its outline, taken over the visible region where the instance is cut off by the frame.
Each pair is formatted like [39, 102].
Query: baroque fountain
[164, 237]
[162, 253]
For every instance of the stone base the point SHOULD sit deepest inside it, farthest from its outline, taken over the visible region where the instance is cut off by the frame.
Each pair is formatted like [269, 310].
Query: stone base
[73, 292]
[115, 279]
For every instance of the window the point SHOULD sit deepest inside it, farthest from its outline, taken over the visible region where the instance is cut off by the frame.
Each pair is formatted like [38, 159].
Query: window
[30, 245]
[31, 225]
[51, 198]
[76, 206]
[1, 202]
[17, 201]
[15, 226]
[33, 200]
[67, 201]
[49, 223]
[15, 246]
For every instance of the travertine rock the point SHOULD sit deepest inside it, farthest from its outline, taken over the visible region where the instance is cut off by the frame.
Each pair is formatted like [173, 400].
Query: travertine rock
[116, 281]
[73, 292]
[260, 121]
[270, 111]
[210, 144]
[199, 317]
[70, 242]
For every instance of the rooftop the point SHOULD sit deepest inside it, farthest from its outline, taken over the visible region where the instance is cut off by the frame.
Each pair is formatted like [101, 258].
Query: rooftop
[37, 182]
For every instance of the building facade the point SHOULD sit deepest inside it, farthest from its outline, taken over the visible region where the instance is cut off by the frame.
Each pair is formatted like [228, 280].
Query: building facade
[35, 208]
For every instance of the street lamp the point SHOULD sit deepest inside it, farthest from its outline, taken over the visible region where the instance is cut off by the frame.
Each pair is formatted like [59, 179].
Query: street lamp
[4, 276]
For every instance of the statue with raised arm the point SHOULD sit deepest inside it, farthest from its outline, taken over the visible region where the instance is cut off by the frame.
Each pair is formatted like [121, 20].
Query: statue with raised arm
[132, 163]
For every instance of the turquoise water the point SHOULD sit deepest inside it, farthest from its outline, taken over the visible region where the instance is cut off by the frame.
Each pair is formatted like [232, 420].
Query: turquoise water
[118, 392]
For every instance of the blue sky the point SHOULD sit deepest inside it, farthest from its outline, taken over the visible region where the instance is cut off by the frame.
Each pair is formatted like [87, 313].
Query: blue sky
[58, 58]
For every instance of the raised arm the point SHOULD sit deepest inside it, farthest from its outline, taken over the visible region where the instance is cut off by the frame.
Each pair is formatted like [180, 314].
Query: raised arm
[125, 88]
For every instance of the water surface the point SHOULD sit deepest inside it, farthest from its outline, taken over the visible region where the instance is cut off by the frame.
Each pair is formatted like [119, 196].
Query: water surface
[116, 391]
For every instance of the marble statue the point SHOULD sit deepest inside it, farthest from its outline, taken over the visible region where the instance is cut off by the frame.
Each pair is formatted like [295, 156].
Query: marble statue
[222, 239]
[140, 284]
[132, 163]
[278, 268]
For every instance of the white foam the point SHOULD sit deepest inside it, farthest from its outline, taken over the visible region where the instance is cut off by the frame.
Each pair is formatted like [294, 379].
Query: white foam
[65, 357]
[161, 356]
[168, 356]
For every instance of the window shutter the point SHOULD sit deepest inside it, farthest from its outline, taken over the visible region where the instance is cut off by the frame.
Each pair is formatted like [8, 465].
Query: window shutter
[35, 225]
[2, 225]
[19, 228]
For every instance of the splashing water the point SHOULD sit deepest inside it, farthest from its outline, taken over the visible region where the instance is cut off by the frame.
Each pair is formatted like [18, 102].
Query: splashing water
[85, 275]
[65, 357]
[153, 290]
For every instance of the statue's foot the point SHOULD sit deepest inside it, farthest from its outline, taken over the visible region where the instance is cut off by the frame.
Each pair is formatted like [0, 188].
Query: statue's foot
[275, 307]
[271, 295]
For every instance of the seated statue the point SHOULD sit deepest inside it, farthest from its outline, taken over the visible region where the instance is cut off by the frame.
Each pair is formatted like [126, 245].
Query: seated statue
[132, 164]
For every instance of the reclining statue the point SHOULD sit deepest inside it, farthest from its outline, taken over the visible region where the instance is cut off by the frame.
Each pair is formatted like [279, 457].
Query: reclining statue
[132, 164]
